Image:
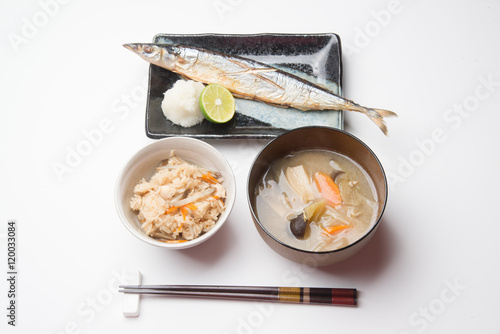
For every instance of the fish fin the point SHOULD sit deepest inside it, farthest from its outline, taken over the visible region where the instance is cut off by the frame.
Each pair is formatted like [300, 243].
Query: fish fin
[379, 120]
[277, 105]
[376, 115]
[385, 113]
[380, 123]
[181, 60]
[240, 96]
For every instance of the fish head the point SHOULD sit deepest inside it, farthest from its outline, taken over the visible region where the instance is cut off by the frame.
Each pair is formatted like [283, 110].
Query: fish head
[161, 55]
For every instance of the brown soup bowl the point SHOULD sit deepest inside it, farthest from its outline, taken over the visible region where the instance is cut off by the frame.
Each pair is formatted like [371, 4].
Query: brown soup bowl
[326, 138]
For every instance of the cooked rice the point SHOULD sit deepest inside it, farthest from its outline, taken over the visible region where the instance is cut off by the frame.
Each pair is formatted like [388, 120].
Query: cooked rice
[180, 202]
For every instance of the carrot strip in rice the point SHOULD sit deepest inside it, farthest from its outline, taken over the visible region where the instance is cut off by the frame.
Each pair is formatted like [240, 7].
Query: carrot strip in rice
[175, 192]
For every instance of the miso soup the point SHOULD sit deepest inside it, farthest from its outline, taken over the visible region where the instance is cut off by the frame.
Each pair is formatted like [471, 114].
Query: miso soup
[316, 200]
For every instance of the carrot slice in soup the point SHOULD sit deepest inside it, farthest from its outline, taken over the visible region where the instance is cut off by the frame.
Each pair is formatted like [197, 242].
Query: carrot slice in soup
[328, 189]
[336, 229]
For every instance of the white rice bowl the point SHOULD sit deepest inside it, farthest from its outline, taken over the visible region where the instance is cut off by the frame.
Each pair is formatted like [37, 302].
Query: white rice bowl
[181, 103]
[143, 164]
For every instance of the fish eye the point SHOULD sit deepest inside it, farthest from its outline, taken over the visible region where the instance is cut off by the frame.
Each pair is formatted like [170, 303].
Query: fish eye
[148, 49]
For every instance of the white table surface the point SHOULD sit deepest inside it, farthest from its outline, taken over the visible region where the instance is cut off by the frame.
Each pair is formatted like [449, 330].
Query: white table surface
[432, 267]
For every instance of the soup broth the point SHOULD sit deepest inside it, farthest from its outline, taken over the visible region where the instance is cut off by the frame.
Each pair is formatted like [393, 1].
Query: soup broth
[316, 200]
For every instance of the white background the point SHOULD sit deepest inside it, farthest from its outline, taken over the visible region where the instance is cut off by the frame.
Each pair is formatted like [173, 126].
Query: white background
[432, 267]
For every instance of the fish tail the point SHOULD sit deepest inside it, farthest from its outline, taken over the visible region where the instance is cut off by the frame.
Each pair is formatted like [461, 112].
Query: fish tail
[379, 120]
[380, 123]
[385, 113]
[376, 115]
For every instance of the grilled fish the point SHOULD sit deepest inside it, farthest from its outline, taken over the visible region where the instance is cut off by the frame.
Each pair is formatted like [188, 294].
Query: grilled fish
[250, 79]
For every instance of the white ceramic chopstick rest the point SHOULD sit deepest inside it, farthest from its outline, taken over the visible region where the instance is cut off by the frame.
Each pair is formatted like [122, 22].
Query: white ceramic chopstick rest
[132, 302]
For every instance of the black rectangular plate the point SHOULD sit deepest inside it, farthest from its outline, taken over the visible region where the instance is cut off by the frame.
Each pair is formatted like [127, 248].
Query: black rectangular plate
[315, 57]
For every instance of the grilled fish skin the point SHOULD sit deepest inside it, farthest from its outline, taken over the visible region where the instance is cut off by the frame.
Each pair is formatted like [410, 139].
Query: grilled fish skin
[250, 79]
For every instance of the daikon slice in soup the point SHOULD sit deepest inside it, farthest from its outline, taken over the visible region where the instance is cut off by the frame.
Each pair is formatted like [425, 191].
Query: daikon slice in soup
[316, 200]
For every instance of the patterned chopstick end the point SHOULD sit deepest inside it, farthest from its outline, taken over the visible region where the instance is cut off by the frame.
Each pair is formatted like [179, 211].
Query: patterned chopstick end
[318, 296]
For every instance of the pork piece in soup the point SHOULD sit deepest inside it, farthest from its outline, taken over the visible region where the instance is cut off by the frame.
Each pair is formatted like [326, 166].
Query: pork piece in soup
[316, 200]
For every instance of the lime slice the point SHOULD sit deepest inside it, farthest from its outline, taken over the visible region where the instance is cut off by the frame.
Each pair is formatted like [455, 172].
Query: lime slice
[217, 103]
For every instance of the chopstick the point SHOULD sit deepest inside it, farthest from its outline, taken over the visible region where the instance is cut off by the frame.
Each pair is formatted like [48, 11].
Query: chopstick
[328, 296]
